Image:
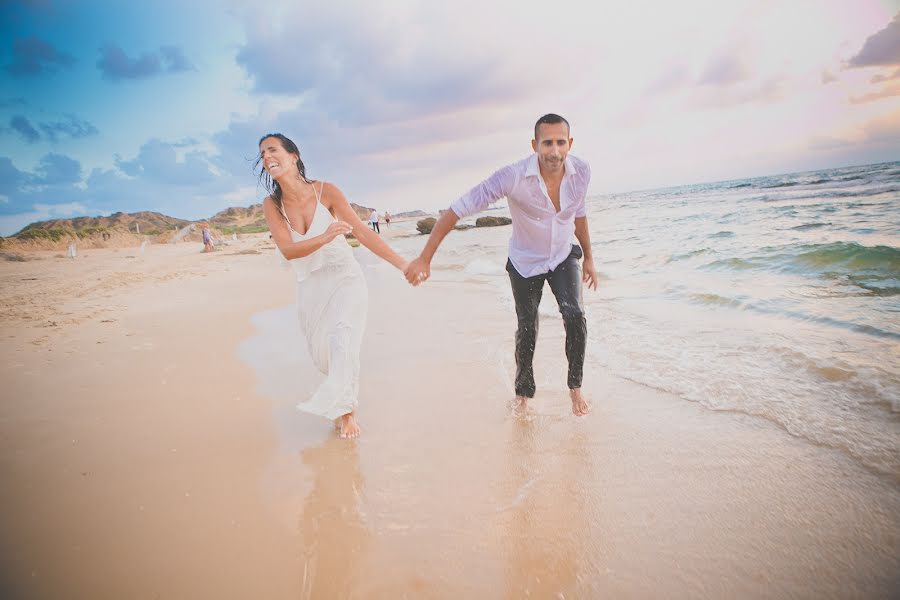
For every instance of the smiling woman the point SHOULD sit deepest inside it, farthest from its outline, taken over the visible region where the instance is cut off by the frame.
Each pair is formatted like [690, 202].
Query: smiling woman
[308, 220]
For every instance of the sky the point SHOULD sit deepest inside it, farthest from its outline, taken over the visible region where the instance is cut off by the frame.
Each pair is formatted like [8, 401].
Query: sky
[407, 104]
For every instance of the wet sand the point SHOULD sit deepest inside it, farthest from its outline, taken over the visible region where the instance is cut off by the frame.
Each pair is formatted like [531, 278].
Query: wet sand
[150, 449]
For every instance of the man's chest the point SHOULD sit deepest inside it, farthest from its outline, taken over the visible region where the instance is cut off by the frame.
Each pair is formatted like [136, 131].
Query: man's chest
[537, 199]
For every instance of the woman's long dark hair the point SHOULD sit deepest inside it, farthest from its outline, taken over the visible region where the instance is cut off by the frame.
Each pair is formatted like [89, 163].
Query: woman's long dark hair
[267, 182]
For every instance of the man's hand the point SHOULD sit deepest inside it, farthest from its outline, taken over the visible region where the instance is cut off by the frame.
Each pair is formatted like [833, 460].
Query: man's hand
[589, 274]
[418, 271]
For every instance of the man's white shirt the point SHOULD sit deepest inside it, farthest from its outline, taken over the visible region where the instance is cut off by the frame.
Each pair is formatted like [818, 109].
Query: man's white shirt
[541, 237]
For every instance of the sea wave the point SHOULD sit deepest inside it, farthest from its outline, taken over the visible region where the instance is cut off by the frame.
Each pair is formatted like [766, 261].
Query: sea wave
[807, 226]
[849, 256]
[837, 257]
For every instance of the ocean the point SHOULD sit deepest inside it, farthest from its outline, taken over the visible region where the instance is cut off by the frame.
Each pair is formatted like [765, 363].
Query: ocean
[777, 296]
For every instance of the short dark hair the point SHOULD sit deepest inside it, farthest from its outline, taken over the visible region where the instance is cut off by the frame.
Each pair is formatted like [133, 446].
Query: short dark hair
[550, 119]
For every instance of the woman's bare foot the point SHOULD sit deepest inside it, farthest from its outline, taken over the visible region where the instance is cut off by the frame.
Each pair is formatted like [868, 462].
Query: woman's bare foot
[349, 426]
[580, 406]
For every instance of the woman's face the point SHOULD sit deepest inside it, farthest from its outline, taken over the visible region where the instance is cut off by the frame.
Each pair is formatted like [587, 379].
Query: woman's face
[275, 159]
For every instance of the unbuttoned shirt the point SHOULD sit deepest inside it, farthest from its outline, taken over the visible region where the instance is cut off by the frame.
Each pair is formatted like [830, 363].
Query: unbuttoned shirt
[541, 237]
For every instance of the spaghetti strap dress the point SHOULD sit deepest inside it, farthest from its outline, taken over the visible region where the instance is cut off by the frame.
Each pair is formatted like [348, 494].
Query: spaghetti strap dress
[332, 303]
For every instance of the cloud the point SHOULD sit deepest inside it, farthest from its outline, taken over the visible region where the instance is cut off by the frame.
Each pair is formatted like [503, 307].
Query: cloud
[828, 77]
[886, 91]
[881, 78]
[824, 142]
[748, 92]
[33, 56]
[883, 130]
[157, 161]
[72, 127]
[725, 69]
[10, 177]
[29, 4]
[56, 188]
[23, 127]
[673, 77]
[13, 223]
[66, 209]
[116, 65]
[356, 70]
[880, 49]
[57, 169]
[881, 133]
[13, 102]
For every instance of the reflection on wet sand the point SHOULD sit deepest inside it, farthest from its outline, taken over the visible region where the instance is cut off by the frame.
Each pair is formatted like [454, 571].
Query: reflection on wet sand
[332, 526]
[543, 530]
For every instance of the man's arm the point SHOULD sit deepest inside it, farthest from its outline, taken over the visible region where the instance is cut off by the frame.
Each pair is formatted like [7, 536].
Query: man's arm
[420, 268]
[490, 190]
[588, 272]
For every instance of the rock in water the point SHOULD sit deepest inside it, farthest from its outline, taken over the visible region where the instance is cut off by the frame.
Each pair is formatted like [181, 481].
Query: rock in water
[492, 221]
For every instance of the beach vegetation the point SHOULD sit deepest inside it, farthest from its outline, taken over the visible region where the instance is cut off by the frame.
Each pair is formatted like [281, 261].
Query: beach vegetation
[53, 234]
[239, 229]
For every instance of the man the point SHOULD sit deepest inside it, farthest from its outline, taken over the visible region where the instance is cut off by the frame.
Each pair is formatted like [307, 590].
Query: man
[373, 221]
[546, 194]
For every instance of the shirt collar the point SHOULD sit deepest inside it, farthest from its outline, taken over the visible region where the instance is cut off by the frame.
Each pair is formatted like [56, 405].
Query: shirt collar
[533, 169]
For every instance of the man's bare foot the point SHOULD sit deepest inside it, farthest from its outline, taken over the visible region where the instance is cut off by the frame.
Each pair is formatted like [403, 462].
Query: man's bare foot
[349, 426]
[580, 406]
[520, 405]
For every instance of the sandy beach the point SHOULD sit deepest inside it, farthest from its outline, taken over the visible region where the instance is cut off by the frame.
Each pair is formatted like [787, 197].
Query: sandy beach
[149, 448]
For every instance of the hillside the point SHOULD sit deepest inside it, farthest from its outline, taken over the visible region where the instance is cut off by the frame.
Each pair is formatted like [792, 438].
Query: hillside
[131, 229]
[145, 223]
[238, 219]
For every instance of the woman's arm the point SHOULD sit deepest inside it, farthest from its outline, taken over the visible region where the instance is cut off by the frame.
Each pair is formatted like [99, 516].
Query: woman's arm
[334, 200]
[281, 234]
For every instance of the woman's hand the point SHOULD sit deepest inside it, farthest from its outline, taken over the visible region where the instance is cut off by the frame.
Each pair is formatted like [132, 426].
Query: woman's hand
[337, 228]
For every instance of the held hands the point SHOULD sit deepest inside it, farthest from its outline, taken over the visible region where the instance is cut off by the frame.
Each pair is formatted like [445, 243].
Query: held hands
[589, 274]
[337, 228]
[417, 271]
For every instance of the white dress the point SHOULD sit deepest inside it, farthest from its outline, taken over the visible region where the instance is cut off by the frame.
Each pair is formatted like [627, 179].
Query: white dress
[332, 301]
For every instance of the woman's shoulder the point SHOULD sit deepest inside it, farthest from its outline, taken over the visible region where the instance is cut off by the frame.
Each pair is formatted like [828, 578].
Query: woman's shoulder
[269, 205]
[329, 192]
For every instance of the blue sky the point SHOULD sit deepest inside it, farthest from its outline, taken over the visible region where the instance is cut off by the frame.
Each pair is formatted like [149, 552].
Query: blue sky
[406, 104]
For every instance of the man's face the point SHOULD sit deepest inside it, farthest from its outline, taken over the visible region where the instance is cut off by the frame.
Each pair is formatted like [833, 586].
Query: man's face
[552, 146]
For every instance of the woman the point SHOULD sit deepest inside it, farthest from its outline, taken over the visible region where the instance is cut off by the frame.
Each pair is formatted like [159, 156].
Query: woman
[308, 220]
[207, 238]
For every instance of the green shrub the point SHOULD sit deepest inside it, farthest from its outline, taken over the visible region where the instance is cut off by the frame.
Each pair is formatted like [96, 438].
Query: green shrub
[54, 234]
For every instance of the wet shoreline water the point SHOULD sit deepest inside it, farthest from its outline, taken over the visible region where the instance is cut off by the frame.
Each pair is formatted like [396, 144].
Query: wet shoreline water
[449, 494]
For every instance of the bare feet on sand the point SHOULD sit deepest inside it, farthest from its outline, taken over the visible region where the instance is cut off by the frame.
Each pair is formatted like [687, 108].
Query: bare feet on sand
[349, 428]
[580, 406]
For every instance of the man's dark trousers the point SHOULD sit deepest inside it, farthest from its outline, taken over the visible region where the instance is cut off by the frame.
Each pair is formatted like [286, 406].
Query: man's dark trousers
[565, 283]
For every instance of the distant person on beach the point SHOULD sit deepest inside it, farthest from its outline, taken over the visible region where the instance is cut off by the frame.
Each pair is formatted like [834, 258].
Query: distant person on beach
[332, 296]
[387, 218]
[373, 221]
[546, 193]
[207, 238]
